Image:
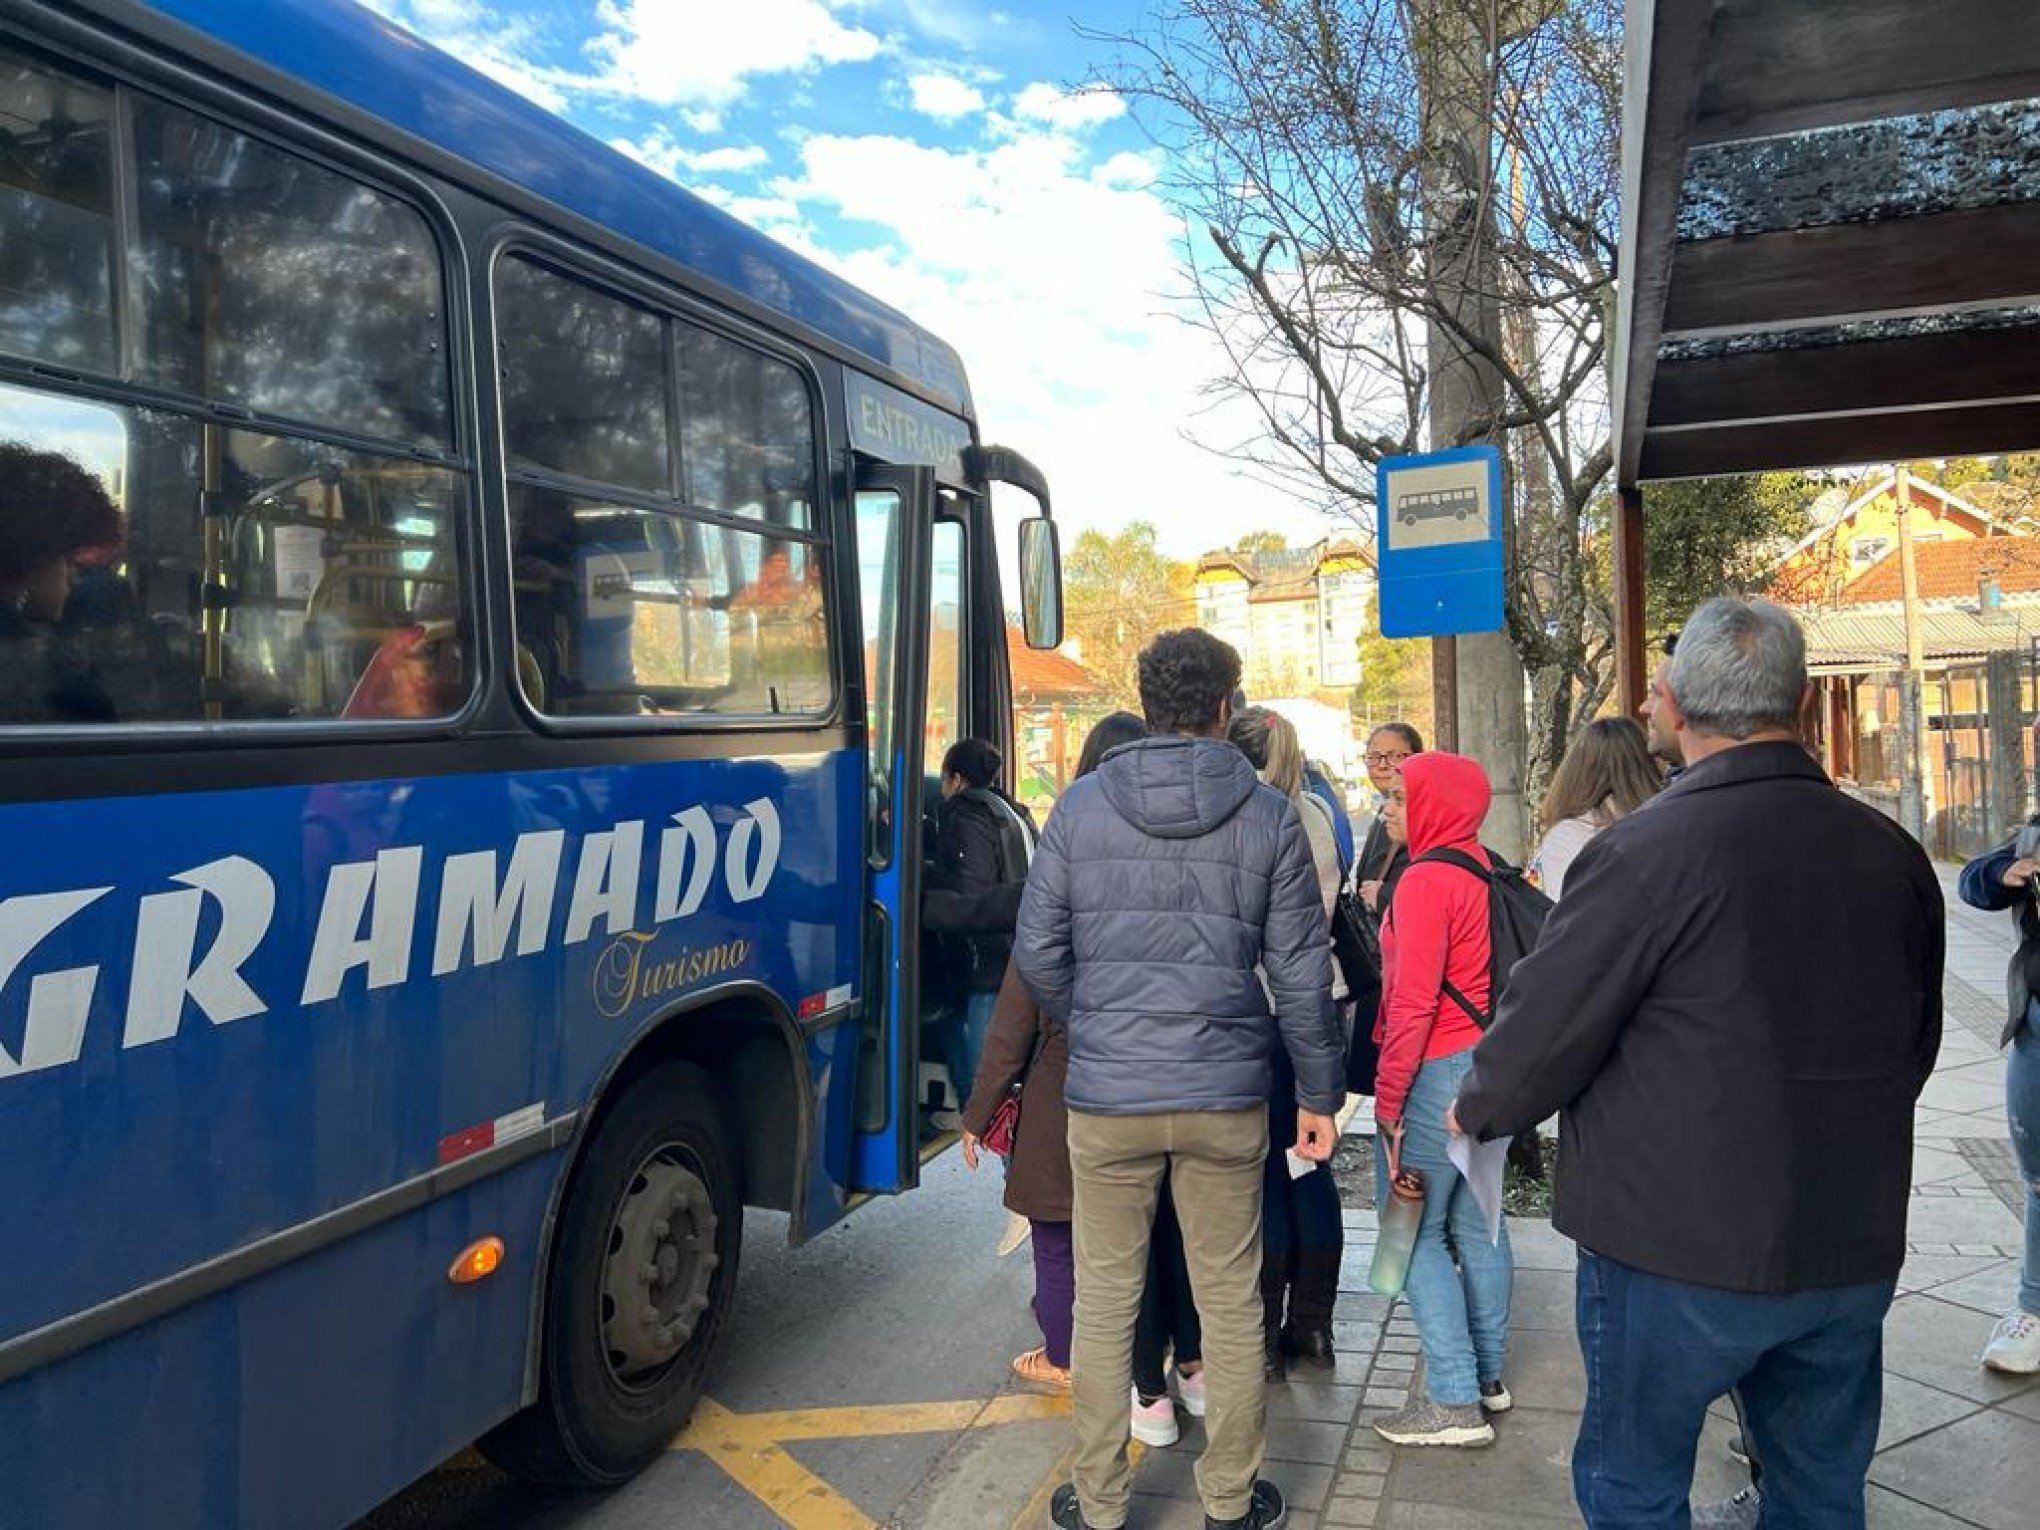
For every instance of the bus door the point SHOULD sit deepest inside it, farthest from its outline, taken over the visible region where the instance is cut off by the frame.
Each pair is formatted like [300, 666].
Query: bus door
[895, 523]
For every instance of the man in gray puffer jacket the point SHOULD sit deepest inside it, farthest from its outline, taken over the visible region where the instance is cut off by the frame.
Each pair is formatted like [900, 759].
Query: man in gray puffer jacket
[1166, 885]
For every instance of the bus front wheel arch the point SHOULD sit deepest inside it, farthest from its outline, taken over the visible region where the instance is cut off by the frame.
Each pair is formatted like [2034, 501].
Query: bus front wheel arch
[643, 1277]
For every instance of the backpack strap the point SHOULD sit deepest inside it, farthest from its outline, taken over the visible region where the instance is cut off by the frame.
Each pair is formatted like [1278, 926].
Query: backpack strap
[1447, 856]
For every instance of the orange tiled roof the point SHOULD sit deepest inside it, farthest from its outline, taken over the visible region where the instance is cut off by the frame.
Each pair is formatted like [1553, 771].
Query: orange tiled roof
[1046, 675]
[1950, 570]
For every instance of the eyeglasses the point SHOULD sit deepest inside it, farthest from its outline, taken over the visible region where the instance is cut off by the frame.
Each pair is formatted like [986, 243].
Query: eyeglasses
[1387, 759]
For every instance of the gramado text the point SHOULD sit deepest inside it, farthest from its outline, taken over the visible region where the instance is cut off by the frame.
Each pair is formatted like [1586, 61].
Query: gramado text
[368, 920]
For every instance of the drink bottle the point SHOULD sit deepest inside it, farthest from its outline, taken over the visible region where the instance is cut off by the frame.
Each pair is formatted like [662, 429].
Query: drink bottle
[1398, 1232]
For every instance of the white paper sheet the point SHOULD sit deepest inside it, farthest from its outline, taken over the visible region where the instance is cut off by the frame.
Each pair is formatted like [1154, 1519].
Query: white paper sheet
[1480, 1164]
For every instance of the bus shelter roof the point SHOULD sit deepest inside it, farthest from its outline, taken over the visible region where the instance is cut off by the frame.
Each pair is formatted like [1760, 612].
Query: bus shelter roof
[1830, 234]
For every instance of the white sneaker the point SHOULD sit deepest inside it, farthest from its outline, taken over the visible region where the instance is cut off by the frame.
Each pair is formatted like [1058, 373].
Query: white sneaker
[2014, 1346]
[1155, 1423]
[1190, 1387]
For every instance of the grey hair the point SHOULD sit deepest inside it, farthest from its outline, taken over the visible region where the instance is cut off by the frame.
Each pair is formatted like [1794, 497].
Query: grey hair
[1739, 668]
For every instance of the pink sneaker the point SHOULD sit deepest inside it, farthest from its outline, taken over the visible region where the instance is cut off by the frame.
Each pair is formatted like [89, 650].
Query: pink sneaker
[1155, 1423]
[1190, 1388]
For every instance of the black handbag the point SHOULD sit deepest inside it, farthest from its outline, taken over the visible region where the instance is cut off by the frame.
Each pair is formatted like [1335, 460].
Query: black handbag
[1355, 952]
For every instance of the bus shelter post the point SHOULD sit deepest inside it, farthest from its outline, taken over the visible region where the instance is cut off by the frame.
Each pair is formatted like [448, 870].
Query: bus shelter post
[1630, 671]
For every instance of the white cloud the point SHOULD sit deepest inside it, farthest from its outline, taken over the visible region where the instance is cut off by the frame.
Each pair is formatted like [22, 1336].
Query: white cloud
[1052, 281]
[489, 41]
[944, 97]
[1071, 111]
[1127, 169]
[668, 54]
[658, 150]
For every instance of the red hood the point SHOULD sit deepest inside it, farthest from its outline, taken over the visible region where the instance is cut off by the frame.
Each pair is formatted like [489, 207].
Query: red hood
[1447, 797]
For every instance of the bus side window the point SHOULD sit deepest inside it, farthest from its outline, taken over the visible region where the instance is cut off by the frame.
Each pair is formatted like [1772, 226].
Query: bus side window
[693, 586]
[249, 573]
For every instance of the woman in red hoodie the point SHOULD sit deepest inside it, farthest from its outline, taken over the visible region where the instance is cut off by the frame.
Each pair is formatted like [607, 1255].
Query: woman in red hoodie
[1435, 935]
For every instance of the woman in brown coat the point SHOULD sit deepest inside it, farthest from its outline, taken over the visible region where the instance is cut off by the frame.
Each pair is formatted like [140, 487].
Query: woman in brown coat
[1028, 1048]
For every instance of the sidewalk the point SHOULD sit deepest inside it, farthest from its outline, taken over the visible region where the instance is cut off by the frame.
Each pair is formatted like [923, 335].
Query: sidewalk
[1960, 1446]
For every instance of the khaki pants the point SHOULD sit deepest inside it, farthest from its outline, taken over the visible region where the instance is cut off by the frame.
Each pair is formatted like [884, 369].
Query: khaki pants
[1215, 1158]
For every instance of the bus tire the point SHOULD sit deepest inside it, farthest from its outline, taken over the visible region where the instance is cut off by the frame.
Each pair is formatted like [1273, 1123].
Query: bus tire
[644, 1269]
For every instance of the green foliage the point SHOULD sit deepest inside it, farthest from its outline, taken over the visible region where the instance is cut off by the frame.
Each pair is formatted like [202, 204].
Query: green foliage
[1716, 536]
[1395, 676]
[1119, 591]
[1260, 542]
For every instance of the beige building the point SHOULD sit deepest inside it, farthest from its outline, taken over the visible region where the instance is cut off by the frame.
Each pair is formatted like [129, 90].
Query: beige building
[1295, 614]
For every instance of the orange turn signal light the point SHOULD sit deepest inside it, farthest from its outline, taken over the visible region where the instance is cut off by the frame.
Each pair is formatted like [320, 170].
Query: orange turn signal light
[478, 1261]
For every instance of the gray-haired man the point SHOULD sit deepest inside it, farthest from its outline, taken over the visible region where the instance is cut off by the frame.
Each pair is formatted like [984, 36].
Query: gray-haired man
[1735, 1006]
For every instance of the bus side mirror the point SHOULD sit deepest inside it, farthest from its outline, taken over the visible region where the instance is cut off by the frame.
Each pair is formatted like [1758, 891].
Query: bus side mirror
[1041, 609]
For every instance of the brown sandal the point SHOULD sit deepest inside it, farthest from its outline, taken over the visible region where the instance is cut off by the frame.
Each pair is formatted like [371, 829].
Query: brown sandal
[1033, 1368]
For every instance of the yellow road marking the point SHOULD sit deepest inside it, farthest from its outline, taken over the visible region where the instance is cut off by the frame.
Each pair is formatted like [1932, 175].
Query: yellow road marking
[750, 1447]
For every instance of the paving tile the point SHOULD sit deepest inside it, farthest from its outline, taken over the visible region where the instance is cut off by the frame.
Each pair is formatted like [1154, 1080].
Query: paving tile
[1314, 1444]
[1912, 1408]
[1317, 1400]
[2025, 1405]
[1542, 1299]
[1993, 1287]
[1539, 1246]
[1889, 1511]
[1937, 1342]
[1544, 1370]
[1984, 1469]
[1923, 1272]
[1965, 1092]
[1357, 1513]
[1528, 1466]
[1437, 1516]
[1961, 1222]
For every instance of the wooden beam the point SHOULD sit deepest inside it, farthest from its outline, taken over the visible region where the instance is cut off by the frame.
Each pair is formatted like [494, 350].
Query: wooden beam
[1951, 367]
[1663, 44]
[1776, 68]
[1965, 430]
[1631, 667]
[1830, 275]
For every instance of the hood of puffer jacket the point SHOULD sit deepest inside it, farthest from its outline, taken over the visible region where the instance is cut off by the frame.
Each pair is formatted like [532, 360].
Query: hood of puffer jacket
[1177, 788]
[1446, 796]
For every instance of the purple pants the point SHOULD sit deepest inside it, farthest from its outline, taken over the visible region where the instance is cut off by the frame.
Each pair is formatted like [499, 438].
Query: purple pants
[1055, 1287]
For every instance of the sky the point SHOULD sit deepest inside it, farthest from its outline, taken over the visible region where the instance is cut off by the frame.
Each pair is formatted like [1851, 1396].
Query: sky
[944, 157]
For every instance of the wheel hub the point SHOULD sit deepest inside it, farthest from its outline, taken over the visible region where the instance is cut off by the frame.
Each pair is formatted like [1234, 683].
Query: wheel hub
[661, 1260]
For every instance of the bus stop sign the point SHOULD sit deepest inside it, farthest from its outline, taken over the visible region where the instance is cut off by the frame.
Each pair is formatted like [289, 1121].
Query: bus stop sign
[1441, 542]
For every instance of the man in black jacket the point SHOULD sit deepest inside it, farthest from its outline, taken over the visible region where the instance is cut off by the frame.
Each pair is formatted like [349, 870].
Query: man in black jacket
[1168, 885]
[1736, 1006]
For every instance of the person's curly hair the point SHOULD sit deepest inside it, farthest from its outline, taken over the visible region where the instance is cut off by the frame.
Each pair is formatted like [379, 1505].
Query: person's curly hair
[50, 507]
[1186, 677]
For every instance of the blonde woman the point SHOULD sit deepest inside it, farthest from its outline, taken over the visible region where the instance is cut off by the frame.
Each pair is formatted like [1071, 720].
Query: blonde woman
[1302, 1238]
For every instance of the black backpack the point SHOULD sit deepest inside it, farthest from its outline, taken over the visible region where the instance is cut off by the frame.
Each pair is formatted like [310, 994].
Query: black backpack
[1516, 912]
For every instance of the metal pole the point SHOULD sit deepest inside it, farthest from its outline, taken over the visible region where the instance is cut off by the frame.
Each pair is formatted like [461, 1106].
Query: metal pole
[1913, 789]
[1445, 694]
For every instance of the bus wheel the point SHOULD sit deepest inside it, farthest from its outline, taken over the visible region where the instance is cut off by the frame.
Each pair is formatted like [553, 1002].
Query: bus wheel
[642, 1277]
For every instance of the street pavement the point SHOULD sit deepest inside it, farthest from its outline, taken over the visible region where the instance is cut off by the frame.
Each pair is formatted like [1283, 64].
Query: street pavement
[865, 1381]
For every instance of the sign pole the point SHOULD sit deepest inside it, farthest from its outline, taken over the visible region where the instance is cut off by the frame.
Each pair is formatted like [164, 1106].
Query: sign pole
[1445, 694]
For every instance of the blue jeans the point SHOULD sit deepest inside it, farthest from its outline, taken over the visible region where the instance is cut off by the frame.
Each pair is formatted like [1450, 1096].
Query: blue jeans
[1807, 1368]
[1459, 1283]
[2022, 1108]
[965, 1042]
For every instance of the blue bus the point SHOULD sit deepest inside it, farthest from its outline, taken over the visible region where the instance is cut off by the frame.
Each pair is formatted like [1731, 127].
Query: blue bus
[473, 619]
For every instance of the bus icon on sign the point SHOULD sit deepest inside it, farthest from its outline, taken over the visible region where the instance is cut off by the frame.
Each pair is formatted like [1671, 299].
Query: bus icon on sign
[1435, 504]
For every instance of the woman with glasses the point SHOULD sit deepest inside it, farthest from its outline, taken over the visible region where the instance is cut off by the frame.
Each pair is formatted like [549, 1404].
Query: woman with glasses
[1381, 859]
